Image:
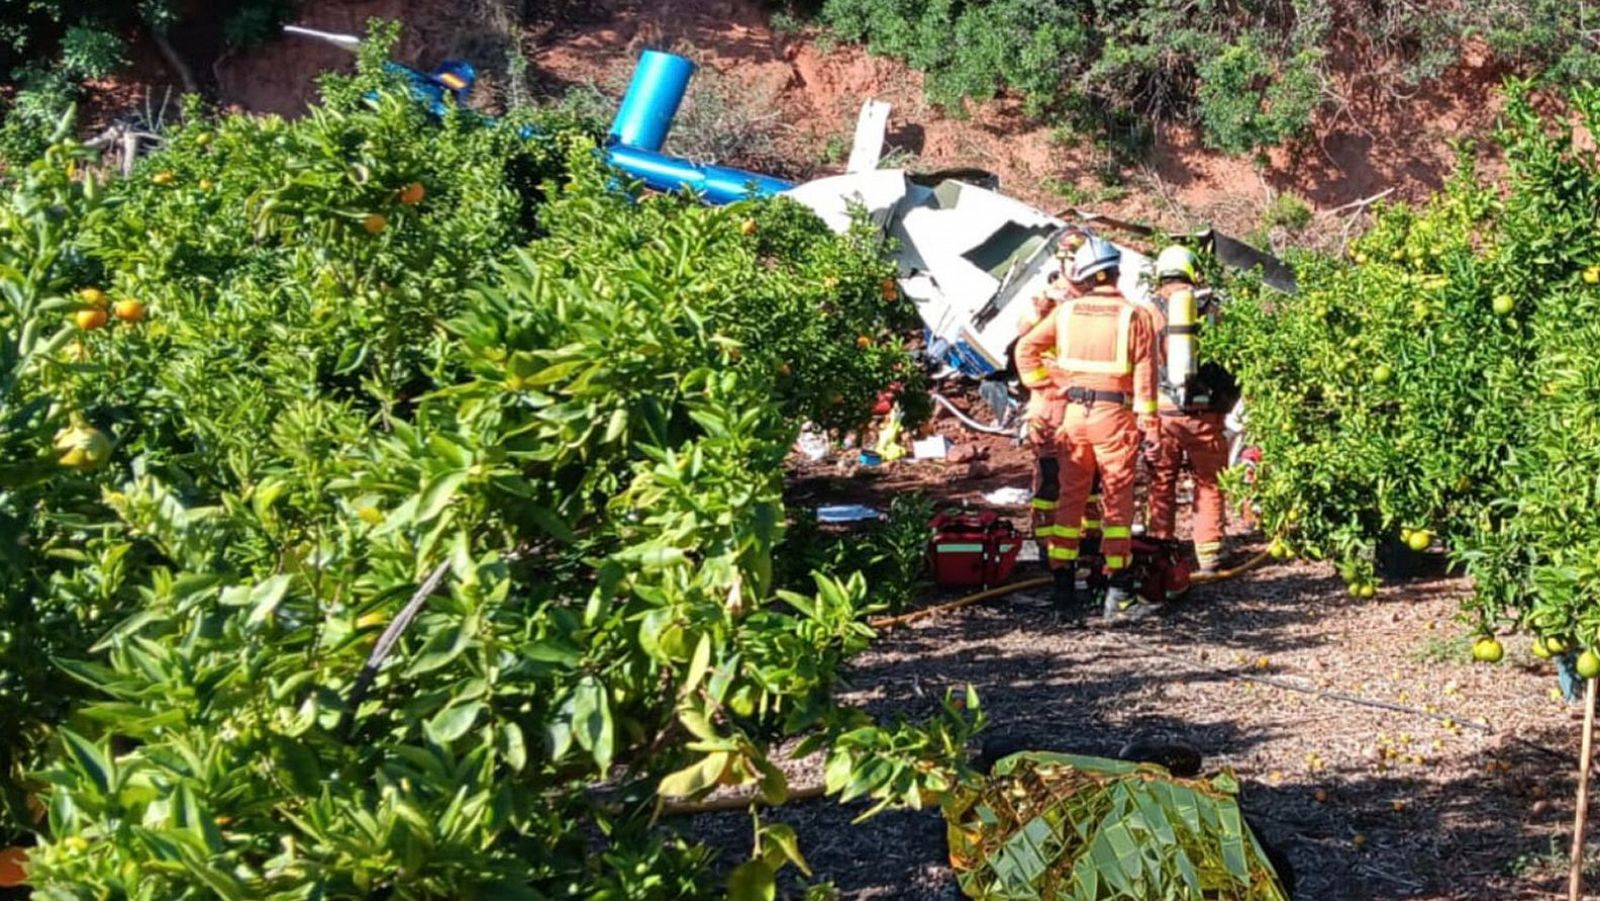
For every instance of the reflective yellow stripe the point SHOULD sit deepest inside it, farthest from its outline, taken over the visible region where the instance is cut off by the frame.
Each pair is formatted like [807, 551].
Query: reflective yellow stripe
[1117, 531]
[1067, 532]
[1094, 498]
[1040, 503]
[1208, 545]
[1116, 562]
[1045, 532]
[1063, 553]
[1120, 364]
[1091, 524]
[1145, 406]
[1037, 377]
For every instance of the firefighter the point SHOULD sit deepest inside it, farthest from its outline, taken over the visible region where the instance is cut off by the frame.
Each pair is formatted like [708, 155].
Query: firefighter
[1043, 416]
[1191, 424]
[1105, 369]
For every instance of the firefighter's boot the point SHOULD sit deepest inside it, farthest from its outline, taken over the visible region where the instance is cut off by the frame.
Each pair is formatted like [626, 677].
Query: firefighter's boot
[1064, 598]
[1123, 603]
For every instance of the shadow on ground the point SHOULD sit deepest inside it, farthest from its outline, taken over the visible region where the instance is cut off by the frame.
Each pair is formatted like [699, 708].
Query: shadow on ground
[1475, 815]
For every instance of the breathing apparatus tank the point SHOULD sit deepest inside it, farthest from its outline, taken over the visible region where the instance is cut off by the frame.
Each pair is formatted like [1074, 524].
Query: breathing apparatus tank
[1182, 327]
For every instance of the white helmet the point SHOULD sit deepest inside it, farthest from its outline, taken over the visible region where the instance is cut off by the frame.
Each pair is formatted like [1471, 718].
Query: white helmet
[1097, 260]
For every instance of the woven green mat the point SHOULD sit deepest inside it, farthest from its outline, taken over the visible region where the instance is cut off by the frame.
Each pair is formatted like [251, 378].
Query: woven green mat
[1059, 826]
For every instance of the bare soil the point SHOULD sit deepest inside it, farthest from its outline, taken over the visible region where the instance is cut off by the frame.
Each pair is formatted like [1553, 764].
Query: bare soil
[1373, 138]
[1469, 803]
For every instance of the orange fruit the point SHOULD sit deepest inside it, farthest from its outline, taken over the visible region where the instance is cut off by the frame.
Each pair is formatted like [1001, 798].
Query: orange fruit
[94, 297]
[863, 342]
[1588, 665]
[375, 223]
[13, 867]
[1504, 304]
[89, 320]
[747, 227]
[1419, 540]
[163, 178]
[1488, 650]
[889, 290]
[82, 447]
[128, 310]
[412, 194]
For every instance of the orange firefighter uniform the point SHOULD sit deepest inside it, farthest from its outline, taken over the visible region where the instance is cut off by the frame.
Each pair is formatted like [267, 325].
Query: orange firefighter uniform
[1105, 370]
[1043, 419]
[1195, 431]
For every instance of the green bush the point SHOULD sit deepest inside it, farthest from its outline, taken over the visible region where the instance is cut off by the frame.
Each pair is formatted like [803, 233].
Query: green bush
[49, 47]
[90, 53]
[1441, 384]
[362, 353]
[1249, 74]
[1287, 210]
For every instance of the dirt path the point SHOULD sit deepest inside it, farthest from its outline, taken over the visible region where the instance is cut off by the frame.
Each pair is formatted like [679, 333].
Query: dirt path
[1455, 812]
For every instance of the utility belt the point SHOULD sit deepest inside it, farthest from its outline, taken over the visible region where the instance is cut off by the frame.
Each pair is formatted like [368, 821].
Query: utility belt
[1199, 405]
[1089, 397]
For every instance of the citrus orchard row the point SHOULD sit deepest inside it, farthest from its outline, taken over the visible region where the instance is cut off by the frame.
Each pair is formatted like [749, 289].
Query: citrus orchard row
[365, 354]
[1438, 387]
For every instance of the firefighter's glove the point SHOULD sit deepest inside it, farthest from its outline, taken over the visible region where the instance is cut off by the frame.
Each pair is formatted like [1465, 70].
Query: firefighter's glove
[1150, 450]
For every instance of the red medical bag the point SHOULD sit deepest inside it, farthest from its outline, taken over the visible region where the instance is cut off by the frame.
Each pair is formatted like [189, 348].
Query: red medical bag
[972, 549]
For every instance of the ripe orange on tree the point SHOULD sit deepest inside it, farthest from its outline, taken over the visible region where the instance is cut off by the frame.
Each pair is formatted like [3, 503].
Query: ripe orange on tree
[128, 309]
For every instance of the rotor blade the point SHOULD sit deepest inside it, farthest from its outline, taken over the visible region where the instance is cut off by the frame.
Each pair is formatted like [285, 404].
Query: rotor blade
[344, 41]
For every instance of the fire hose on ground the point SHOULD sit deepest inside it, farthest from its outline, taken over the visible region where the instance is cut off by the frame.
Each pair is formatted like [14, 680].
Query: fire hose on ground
[966, 420]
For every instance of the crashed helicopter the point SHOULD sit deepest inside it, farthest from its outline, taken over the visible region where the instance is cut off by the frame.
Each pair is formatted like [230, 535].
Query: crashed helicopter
[966, 252]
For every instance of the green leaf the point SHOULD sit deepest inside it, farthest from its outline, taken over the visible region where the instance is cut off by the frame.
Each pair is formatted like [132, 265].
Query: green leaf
[782, 836]
[698, 666]
[591, 720]
[442, 649]
[265, 598]
[512, 747]
[437, 495]
[224, 884]
[127, 627]
[752, 880]
[694, 778]
[91, 759]
[452, 722]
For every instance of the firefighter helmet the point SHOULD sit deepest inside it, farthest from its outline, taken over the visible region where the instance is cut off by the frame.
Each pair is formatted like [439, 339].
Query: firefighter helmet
[1072, 238]
[1178, 262]
[1098, 260]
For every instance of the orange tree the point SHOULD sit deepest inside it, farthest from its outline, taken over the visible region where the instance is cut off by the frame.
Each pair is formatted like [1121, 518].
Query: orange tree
[1439, 384]
[364, 367]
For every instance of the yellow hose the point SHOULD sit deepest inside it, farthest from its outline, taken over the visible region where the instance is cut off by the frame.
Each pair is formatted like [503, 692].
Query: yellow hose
[1224, 575]
[987, 594]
